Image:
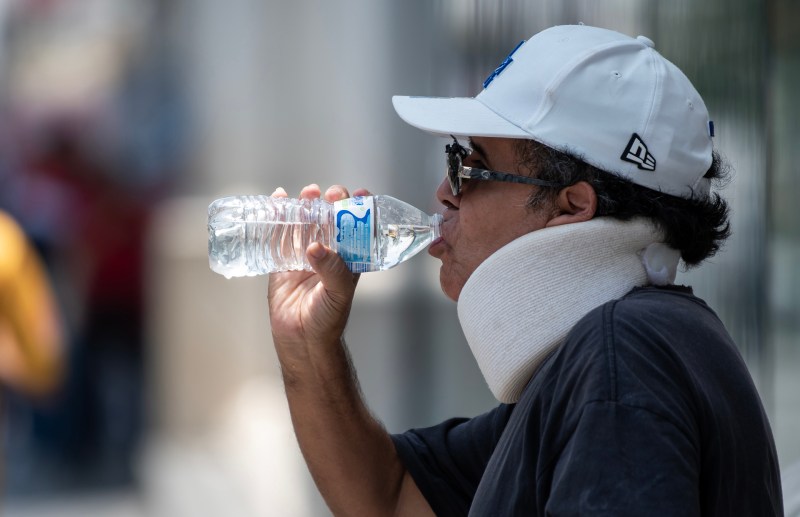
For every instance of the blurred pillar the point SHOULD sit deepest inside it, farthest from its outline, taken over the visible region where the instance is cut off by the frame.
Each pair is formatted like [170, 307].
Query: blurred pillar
[784, 250]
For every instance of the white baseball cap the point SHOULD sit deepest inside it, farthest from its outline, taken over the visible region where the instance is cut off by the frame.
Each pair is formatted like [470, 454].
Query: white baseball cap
[608, 98]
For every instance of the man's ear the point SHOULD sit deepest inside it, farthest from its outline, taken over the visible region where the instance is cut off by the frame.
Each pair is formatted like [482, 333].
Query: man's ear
[574, 204]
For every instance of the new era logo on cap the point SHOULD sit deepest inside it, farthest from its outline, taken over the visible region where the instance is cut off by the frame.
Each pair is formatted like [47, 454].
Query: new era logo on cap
[637, 153]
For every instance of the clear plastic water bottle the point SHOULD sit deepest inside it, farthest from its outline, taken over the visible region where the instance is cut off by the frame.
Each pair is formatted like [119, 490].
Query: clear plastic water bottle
[255, 235]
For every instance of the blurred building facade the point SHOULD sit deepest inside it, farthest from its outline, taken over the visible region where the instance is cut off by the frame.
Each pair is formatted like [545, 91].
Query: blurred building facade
[123, 120]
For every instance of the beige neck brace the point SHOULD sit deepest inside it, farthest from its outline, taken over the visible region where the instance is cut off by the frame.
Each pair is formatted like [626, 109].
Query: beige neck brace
[521, 302]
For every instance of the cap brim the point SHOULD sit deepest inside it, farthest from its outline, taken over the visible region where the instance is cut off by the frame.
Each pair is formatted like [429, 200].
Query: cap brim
[457, 116]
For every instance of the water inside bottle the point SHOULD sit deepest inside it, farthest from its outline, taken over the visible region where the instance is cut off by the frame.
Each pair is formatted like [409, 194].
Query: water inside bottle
[398, 242]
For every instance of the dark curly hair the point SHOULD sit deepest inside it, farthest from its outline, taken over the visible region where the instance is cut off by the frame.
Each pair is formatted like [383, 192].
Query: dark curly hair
[695, 227]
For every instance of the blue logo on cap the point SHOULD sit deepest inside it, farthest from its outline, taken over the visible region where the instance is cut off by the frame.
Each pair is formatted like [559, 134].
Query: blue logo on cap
[503, 65]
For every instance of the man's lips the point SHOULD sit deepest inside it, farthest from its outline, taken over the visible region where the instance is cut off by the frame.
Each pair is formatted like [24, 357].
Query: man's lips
[436, 246]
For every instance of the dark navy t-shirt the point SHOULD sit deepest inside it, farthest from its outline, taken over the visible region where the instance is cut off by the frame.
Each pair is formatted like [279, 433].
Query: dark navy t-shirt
[646, 409]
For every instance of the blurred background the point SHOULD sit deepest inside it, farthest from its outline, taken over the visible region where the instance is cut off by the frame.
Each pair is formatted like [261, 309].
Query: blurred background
[158, 391]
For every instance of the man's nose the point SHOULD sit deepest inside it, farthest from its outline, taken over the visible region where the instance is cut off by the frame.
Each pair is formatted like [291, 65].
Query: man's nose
[444, 193]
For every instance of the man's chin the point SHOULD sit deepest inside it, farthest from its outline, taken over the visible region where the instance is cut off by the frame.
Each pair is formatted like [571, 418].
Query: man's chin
[448, 288]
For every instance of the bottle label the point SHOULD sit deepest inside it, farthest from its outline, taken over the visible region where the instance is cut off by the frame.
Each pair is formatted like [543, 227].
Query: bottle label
[355, 232]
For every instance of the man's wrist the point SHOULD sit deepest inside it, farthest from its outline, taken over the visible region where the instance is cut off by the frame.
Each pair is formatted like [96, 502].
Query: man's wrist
[315, 366]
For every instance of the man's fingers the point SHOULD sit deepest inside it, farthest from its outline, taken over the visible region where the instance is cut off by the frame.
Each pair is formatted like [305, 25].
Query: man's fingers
[312, 191]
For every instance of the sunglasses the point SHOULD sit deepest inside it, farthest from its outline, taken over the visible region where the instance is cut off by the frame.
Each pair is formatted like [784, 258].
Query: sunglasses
[457, 172]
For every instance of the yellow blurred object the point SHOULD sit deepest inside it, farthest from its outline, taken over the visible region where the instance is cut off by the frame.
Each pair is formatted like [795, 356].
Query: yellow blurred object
[31, 337]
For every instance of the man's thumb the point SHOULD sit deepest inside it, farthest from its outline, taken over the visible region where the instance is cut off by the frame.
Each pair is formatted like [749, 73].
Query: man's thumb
[331, 268]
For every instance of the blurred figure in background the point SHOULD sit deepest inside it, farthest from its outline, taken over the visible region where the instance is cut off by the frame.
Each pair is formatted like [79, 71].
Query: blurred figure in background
[94, 240]
[31, 334]
[88, 139]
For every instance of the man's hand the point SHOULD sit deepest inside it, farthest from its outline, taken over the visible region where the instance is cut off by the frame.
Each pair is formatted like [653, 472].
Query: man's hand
[310, 309]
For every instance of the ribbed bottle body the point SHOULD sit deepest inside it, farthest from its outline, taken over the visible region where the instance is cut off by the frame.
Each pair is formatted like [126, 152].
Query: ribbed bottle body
[255, 235]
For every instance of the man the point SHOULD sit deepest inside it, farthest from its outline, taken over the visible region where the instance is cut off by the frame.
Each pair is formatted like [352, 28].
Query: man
[589, 177]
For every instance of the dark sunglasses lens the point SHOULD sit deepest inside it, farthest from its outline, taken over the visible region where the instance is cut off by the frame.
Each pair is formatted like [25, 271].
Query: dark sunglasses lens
[453, 166]
[455, 183]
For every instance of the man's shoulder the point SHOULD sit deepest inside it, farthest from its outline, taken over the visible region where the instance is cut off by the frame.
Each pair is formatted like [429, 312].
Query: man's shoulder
[643, 311]
[640, 337]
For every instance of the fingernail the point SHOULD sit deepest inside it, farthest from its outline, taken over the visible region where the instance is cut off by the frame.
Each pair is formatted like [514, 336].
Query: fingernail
[334, 192]
[317, 250]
